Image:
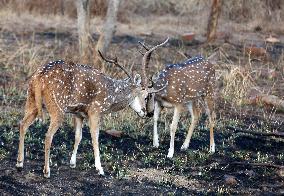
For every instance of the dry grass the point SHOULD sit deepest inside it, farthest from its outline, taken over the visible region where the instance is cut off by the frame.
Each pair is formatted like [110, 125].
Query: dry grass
[237, 84]
[191, 13]
[238, 10]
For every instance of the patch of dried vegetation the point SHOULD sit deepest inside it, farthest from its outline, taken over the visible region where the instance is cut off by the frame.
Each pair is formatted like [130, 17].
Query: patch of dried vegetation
[162, 177]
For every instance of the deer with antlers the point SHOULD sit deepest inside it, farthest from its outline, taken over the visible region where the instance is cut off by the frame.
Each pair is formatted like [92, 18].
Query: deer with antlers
[85, 92]
[186, 85]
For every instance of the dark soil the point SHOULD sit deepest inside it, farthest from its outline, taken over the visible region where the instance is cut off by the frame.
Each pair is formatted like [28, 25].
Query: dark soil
[129, 153]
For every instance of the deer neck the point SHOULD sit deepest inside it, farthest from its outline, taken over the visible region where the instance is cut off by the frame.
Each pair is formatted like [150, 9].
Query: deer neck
[120, 94]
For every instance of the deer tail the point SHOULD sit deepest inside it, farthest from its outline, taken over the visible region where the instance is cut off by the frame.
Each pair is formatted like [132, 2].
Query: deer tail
[37, 85]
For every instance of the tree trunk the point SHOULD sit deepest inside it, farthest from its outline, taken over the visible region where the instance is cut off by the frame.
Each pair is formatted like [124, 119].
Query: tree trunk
[213, 20]
[108, 30]
[83, 19]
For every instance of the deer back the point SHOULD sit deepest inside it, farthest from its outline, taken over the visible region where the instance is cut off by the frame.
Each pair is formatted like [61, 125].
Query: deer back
[186, 81]
[75, 88]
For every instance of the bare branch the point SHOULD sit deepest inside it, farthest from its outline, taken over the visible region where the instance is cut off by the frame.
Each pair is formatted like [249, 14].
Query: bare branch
[276, 134]
[258, 164]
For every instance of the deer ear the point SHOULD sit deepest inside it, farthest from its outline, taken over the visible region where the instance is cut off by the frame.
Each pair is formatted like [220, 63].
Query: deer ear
[137, 79]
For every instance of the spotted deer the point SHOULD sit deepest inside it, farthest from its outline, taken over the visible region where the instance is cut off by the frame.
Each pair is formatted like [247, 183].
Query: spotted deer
[81, 90]
[186, 85]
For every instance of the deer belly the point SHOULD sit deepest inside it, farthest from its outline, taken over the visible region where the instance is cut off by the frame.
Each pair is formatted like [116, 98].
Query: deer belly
[166, 104]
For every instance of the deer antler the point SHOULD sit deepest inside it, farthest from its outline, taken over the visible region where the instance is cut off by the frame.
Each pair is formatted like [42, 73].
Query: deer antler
[146, 59]
[143, 45]
[152, 90]
[146, 48]
[114, 61]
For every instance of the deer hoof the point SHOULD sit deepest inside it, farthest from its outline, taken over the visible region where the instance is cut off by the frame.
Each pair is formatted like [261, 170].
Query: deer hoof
[212, 148]
[101, 172]
[73, 162]
[46, 173]
[183, 147]
[19, 164]
[170, 154]
[212, 151]
[156, 145]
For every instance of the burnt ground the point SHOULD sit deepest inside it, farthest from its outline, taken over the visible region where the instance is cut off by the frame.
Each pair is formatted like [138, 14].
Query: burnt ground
[131, 164]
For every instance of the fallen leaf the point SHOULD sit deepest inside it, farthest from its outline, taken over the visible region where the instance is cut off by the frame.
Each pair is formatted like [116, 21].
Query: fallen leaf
[230, 180]
[114, 132]
[280, 172]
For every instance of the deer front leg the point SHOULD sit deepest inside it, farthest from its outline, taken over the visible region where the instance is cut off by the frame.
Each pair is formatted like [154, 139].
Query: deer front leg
[157, 110]
[26, 122]
[212, 142]
[53, 127]
[192, 107]
[78, 137]
[94, 119]
[173, 129]
[209, 106]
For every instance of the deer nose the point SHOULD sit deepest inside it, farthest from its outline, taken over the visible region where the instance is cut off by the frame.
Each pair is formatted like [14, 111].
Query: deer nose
[150, 114]
[143, 113]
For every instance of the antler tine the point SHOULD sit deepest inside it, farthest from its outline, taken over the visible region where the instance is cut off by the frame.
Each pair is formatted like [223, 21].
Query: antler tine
[158, 90]
[146, 59]
[143, 45]
[114, 61]
[131, 67]
[141, 52]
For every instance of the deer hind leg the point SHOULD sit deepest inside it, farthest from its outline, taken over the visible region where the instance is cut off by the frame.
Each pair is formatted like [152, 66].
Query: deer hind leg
[28, 119]
[209, 106]
[94, 119]
[78, 137]
[157, 110]
[55, 121]
[173, 129]
[194, 112]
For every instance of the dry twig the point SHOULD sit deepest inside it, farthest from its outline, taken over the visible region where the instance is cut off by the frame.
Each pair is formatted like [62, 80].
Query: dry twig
[275, 134]
[258, 164]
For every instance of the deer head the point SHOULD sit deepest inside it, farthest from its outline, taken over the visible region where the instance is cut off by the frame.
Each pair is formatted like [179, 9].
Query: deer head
[139, 94]
[141, 91]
